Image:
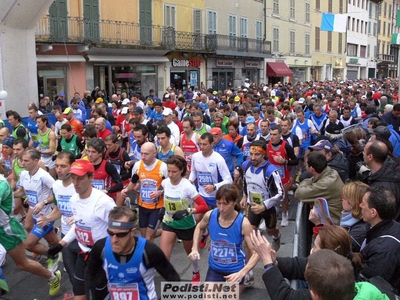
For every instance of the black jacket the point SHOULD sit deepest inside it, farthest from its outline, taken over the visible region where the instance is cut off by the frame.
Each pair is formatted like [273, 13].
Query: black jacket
[381, 255]
[357, 232]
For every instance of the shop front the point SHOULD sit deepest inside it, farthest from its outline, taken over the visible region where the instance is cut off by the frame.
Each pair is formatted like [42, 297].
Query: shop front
[185, 73]
[278, 71]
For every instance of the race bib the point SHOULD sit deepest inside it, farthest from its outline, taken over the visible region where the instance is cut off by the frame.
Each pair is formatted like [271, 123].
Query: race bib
[32, 198]
[126, 291]
[84, 235]
[223, 252]
[146, 187]
[63, 205]
[204, 178]
[98, 184]
[246, 150]
[256, 197]
[281, 170]
[172, 204]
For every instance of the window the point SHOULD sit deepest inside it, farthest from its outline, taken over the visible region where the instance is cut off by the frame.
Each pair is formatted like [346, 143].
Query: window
[307, 44]
[243, 27]
[384, 28]
[232, 25]
[380, 8]
[276, 7]
[259, 30]
[275, 43]
[358, 26]
[389, 29]
[370, 10]
[362, 26]
[317, 38]
[390, 11]
[308, 9]
[197, 24]
[375, 53]
[317, 4]
[383, 47]
[379, 27]
[340, 6]
[169, 15]
[329, 46]
[292, 9]
[212, 22]
[363, 50]
[375, 30]
[330, 6]
[292, 48]
[369, 51]
[340, 46]
[385, 9]
[376, 12]
[351, 50]
[369, 27]
[354, 25]
[348, 23]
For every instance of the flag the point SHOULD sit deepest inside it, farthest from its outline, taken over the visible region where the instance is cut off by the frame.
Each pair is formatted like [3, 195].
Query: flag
[398, 18]
[334, 22]
[395, 39]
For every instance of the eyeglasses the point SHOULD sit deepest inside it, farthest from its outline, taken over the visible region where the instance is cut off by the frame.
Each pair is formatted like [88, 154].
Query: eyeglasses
[118, 234]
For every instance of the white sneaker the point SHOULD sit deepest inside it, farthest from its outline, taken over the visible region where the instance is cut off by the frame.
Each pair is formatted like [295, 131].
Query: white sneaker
[285, 219]
[249, 279]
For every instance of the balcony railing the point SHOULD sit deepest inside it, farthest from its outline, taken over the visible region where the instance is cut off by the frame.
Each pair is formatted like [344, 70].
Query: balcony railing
[386, 58]
[133, 35]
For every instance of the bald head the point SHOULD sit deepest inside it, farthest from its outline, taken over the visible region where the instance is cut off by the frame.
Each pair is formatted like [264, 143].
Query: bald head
[148, 152]
[4, 133]
[100, 124]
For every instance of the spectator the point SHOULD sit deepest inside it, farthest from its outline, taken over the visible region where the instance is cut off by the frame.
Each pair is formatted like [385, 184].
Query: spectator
[381, 251]
[324, 183]
[393, 117]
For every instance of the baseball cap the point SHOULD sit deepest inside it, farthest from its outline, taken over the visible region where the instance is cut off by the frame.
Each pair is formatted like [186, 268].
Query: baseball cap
[9, 141]
[167, 111]
[81, 167]
[99, 100]
[363, 97]
[322, 145]
[237, 99]
[125, 111]
[150, 101]
[62, 94]
[216, 130]
[125, 101]
[302, 100]
[138, 111]
[68, 110]
[151, 91]
[250, 119]
[382, 131]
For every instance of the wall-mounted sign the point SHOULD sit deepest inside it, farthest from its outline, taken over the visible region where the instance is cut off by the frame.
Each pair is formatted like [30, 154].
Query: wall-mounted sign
[353, 60]
[224, 63]
[195, 63]
[251, 64]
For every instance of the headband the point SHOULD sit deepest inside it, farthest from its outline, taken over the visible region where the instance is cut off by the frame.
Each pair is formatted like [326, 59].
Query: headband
[257, 149]
[120, 225]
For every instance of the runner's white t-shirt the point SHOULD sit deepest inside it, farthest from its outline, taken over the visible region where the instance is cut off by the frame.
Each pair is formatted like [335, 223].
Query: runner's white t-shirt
[62, 195]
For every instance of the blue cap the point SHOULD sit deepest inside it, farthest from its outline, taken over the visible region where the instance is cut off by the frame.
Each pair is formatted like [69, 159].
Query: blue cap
[250, 119]
[62, 94]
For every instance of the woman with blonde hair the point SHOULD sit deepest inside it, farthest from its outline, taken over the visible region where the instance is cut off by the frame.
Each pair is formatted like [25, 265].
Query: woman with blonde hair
[351, 218]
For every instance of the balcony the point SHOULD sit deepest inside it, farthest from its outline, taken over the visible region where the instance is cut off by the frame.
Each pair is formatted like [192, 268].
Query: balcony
[129, 35]
[386, 58]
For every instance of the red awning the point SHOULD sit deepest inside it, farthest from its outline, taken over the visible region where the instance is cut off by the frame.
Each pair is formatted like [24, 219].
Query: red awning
[278, 69]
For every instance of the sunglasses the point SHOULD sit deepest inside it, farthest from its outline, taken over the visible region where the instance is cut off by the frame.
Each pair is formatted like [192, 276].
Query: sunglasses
[118, 234]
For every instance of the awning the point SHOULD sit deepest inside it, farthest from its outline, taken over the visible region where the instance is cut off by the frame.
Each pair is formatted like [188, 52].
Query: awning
[278, 69]
[60, 58]
[138, 58]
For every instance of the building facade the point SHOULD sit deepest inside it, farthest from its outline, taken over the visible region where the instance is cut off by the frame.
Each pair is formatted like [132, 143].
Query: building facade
[327, 48]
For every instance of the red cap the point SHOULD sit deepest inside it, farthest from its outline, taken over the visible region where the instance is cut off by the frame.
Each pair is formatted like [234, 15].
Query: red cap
[216, 130]
[376, 95]
[81, 167]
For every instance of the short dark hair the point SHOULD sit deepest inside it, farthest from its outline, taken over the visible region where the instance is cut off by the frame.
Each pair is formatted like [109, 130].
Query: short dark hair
[396, 107]
[142, 128]
[317, 160]
[22, 141]
[66, 126]
[383, 201]
[276, 127]
[378, 150]
[330, 275]
[111, 137]
[119, 212]
[90, 131]
[68, 155]
[164, 129]
[97, 144]
[191, 122]
[207, 136]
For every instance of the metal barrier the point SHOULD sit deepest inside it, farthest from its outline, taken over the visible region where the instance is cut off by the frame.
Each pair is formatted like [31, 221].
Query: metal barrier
[301, 237]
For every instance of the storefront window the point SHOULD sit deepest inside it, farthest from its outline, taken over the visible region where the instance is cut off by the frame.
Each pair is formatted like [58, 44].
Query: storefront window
[222, 79]
[51, 81]
[251, 74]
[128, 79]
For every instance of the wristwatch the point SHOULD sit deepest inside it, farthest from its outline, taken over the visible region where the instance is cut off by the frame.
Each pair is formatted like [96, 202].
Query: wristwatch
[215, 187]
[45, 202]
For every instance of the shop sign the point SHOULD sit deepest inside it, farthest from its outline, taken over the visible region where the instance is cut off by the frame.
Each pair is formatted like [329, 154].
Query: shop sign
[124, 75]
[224, 63]
[195, 63]
[251, 64]
[353, 60]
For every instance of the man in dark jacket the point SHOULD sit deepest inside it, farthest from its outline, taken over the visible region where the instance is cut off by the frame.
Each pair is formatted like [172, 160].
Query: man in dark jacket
[383, 170]
[381, 248]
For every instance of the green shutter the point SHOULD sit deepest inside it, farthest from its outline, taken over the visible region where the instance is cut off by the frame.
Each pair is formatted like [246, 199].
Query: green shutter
[91, 19]
[58, 16]
[146, 22]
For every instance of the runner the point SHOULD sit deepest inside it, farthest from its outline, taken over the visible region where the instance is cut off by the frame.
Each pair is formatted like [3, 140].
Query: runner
[182, 202]
[228, 229]
[46, 144]
[90, 208]
[166, 148]
[189, 140]
[119, 254]
[12, 235]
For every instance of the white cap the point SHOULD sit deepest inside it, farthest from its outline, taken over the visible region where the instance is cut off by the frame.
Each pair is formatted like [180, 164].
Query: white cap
[167, 111]
[125, 110]
[125, 101]
[301, 100]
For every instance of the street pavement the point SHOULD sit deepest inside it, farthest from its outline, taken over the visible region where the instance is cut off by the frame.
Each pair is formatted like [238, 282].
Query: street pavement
[25, 286]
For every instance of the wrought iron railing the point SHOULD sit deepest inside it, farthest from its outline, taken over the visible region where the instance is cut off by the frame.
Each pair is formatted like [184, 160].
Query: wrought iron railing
[130, 34]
